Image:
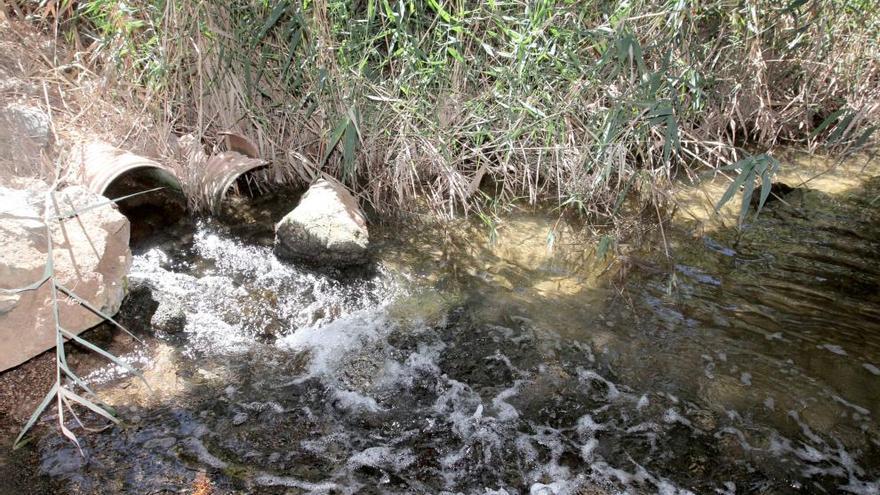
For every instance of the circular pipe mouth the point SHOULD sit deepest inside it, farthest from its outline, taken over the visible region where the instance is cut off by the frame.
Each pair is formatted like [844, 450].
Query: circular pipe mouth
[99, 165]
[221, 173]
[152, 212]
[114, 173]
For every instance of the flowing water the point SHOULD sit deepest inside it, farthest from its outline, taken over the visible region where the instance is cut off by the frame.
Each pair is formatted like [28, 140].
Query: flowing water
[512, 363]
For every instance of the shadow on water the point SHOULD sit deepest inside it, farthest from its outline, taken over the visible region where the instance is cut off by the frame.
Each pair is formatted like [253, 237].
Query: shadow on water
[750, 365]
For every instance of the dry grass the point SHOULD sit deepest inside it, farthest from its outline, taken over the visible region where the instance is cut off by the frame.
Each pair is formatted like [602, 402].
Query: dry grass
[39, 71]
[454, 105]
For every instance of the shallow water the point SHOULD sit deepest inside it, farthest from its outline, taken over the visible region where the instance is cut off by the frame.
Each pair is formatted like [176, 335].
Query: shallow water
[517, 364]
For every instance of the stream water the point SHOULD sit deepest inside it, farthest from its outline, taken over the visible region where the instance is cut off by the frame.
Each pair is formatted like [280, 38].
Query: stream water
[514, 363]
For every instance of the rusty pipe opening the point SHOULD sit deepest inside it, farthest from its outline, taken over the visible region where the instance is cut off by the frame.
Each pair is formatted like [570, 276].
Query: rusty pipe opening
[150, 212]
[114, 173]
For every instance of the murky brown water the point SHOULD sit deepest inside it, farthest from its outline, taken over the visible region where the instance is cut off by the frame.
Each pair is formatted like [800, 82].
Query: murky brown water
[748, 362]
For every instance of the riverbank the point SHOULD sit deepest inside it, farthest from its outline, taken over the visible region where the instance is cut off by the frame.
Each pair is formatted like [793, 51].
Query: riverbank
[424, 108]
[637, 341]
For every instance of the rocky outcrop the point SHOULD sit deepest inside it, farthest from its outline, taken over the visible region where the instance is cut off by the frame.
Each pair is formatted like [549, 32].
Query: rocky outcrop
[327, 228]
[26, 142]
[26, 122]
[91, 257]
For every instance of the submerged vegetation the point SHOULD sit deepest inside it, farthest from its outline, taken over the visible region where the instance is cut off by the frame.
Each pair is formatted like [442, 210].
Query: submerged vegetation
[453, 102]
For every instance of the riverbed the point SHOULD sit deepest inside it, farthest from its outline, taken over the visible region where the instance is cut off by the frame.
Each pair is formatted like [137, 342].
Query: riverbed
[512, 359]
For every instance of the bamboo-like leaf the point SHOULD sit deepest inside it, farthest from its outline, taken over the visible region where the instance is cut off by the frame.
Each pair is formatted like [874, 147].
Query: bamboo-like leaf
[455, 53]
[446, 16]
[80, 422]
[115, 360]
[12, 216]
[69, 434]
[750, 168]
[748, 189]
[78, 381]
[745, 164]
[88, 404]
[335, 137]
[827, 122]
[864, 137]
[95, 310]
[36, 415]
[841, 128]
[349, 147]
[769, 169]
[80, 211]
[663, 114]
[46, 276]
[603, 246]
[270, 21]
[766, 185]
[295, 40]
[621, 196]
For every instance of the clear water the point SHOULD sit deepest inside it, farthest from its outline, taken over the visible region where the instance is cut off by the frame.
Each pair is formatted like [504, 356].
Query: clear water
[750, 364]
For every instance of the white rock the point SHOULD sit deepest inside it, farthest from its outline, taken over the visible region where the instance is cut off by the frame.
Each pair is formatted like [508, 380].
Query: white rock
[326, 228]
[91, 257]
[28, 122]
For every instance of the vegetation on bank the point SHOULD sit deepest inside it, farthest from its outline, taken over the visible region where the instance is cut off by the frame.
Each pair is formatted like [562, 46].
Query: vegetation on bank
[451, 102]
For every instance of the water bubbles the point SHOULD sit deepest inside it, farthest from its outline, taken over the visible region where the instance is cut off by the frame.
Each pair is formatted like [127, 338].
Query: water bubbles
[324, 384]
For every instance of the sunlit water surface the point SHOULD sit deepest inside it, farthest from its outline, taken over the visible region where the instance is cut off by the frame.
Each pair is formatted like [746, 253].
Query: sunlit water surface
[519, 363]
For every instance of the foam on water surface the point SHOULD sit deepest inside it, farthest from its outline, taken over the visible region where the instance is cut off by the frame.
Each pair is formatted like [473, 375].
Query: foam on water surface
[401, 382]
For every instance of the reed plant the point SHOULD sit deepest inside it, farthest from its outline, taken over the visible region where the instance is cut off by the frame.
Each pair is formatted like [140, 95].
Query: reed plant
[69, 389]
[444, 103]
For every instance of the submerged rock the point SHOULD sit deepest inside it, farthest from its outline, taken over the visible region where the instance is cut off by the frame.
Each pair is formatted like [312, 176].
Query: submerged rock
[240, 419]
[326, 228]
[91, 257]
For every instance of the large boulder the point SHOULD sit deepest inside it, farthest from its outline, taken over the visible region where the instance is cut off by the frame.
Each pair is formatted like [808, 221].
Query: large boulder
[327, 228]
[91, 257]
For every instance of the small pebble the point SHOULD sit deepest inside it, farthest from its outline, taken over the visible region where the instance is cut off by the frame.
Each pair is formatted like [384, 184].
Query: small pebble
[239, 418]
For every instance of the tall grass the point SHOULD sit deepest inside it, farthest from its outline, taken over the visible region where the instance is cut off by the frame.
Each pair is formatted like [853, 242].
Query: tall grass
[443, 103]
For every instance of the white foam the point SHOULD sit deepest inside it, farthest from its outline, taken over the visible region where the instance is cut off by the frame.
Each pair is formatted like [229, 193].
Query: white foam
[587, 426]
[273, 480]
[205, 331]
[505, 411]
[859, 409]
[672, 416]
[588, 448]
[198, 449]
[396, 375]
[590, 375]
[355, 402]
[327, 345]
[383, 457]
